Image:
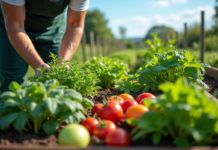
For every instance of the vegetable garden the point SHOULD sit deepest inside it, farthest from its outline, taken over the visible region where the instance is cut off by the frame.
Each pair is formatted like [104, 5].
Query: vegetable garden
[162, 102]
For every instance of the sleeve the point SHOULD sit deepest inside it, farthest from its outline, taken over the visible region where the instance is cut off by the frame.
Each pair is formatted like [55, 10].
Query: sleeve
[79, 5]
[15, 2]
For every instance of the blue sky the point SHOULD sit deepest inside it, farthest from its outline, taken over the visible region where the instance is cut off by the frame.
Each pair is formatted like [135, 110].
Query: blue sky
[137, 16]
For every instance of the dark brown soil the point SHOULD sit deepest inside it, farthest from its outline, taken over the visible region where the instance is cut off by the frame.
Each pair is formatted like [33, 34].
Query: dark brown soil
[12, 137]
[213, 85]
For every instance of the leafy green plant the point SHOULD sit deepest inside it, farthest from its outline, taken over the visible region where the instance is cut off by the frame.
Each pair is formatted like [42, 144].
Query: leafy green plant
[108, 70]
[29, 107]
[183, 113]
[81, 79]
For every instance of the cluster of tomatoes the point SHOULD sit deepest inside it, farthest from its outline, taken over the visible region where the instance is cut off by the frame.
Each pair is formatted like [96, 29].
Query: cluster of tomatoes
[111, 112]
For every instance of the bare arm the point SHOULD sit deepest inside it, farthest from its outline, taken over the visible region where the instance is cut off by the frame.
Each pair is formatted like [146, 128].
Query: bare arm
[73, 34]
[14, 17]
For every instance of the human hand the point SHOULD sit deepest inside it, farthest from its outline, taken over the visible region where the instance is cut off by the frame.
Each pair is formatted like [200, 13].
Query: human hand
[43, 65]
[61, 63]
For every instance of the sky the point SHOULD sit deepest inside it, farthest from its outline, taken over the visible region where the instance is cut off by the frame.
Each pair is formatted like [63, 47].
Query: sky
[138, 16]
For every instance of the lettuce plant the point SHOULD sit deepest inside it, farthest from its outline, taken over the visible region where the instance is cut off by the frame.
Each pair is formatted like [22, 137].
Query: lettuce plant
[183, 112]
[108, 70]
[39, 105]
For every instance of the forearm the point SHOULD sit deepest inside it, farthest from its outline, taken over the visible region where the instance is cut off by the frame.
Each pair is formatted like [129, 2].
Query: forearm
[24, 46]
[70, 42]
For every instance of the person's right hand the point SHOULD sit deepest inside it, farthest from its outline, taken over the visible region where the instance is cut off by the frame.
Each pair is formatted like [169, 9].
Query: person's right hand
[43, 65]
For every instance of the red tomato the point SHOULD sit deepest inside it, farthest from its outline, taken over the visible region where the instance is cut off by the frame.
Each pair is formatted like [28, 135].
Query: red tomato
[135, 112]
[128, 103]
[111, 111]
[118, 137]
[126, 96]
[104, 128]
[145, 95]
[116, 98]
[90, 123]
[96, 108]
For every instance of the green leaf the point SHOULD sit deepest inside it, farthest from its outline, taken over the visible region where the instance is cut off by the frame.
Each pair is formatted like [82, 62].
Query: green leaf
[159, 68]
[7, 95]
[72, 105]
[36, 110]
[181, 142]
[156, 137]
[50, 126]
[73, 94]
[202, 84]
[146, 89]
[147, 76]
[68, 117]
[20, 122]
[2, 108]
[14, 86]
[56, 93]
[52, 81]
[28, 100]
[87, 103]
[206, 66]
[51, 104]
[132, 122]
[126, 91]
[6, 120]
[11, 103]
[191, 72]
[21, 94]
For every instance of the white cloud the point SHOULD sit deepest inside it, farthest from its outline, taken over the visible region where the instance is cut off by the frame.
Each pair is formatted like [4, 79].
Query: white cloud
[179, 1]
[162, 3]
[139, 25]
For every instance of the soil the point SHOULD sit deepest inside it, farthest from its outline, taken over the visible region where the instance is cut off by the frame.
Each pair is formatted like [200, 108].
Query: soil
[13, 137]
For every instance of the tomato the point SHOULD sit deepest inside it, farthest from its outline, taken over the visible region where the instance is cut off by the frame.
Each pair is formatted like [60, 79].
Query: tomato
[90, 123]
[116, 98]
[111, 111]
[145, 95]
[141, 103]
[74, 135]
[96, 108]
[104, 128]
[135, 112]
[118, 137]
[128, 103]
[126, 96]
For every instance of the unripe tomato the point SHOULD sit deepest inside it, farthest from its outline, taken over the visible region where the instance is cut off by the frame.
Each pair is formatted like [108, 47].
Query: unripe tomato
[118, 137]
[90, 123]
[96, 108]
[135, 112]
[145, 95]
[117, 99]
[128, 103]
[111, 111]
[126, 96]
[104, 128]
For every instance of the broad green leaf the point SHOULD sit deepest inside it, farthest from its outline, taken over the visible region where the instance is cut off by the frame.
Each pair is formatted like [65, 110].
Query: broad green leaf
[52, 81]
[156, 137]
[28, 100]
[191, 72]
[21, 94]
[126, 91]
[11, 103]
[159, 68]
[56, 93]
[51, 104]
[14, 86]
[147, 76]
[78, 117]
[202, 84]
[20, 122]
[36, 110]
[146, 89]
[6, 120]
[2, 108]
[68, 117]
[50, 126]
[87, 103]
[181, 142]
[68, 103]
[206, 66]
[72, 94]
[6, 95]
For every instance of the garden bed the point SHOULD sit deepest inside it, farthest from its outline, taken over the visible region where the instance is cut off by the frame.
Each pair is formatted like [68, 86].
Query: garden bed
[12, 139]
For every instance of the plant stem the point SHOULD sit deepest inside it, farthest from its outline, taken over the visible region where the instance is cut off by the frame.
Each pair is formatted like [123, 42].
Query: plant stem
[35, 126]
[28, 123]
[171, 131]
[25, 129]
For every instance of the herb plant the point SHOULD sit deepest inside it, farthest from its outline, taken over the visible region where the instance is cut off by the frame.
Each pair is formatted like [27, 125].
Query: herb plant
[108, 70]
[183, 113]
[29, 107]
[81, 79]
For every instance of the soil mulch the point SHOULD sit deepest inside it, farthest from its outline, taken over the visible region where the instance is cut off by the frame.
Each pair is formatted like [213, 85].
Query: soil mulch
[12, 137]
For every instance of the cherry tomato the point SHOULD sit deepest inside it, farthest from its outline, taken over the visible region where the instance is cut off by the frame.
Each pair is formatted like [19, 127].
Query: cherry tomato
[135, 112]
[111, 111]
[128, 103]
[145, 95]
[96, 108]
[116, 98]
[104, 128]
[118, 137]
[90, 123]
[126, 96]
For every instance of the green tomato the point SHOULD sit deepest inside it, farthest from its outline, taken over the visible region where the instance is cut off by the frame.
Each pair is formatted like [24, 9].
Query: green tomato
[74, 135]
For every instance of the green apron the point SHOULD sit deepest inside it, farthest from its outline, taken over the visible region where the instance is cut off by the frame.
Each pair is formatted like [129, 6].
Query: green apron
[45, 24]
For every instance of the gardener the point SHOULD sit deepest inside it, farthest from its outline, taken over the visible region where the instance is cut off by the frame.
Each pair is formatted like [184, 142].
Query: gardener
[30, 29]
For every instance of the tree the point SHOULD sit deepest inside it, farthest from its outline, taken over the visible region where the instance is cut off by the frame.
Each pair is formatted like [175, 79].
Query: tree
[163, 32]
[122, 32]
[96, 22]
[215, 17]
